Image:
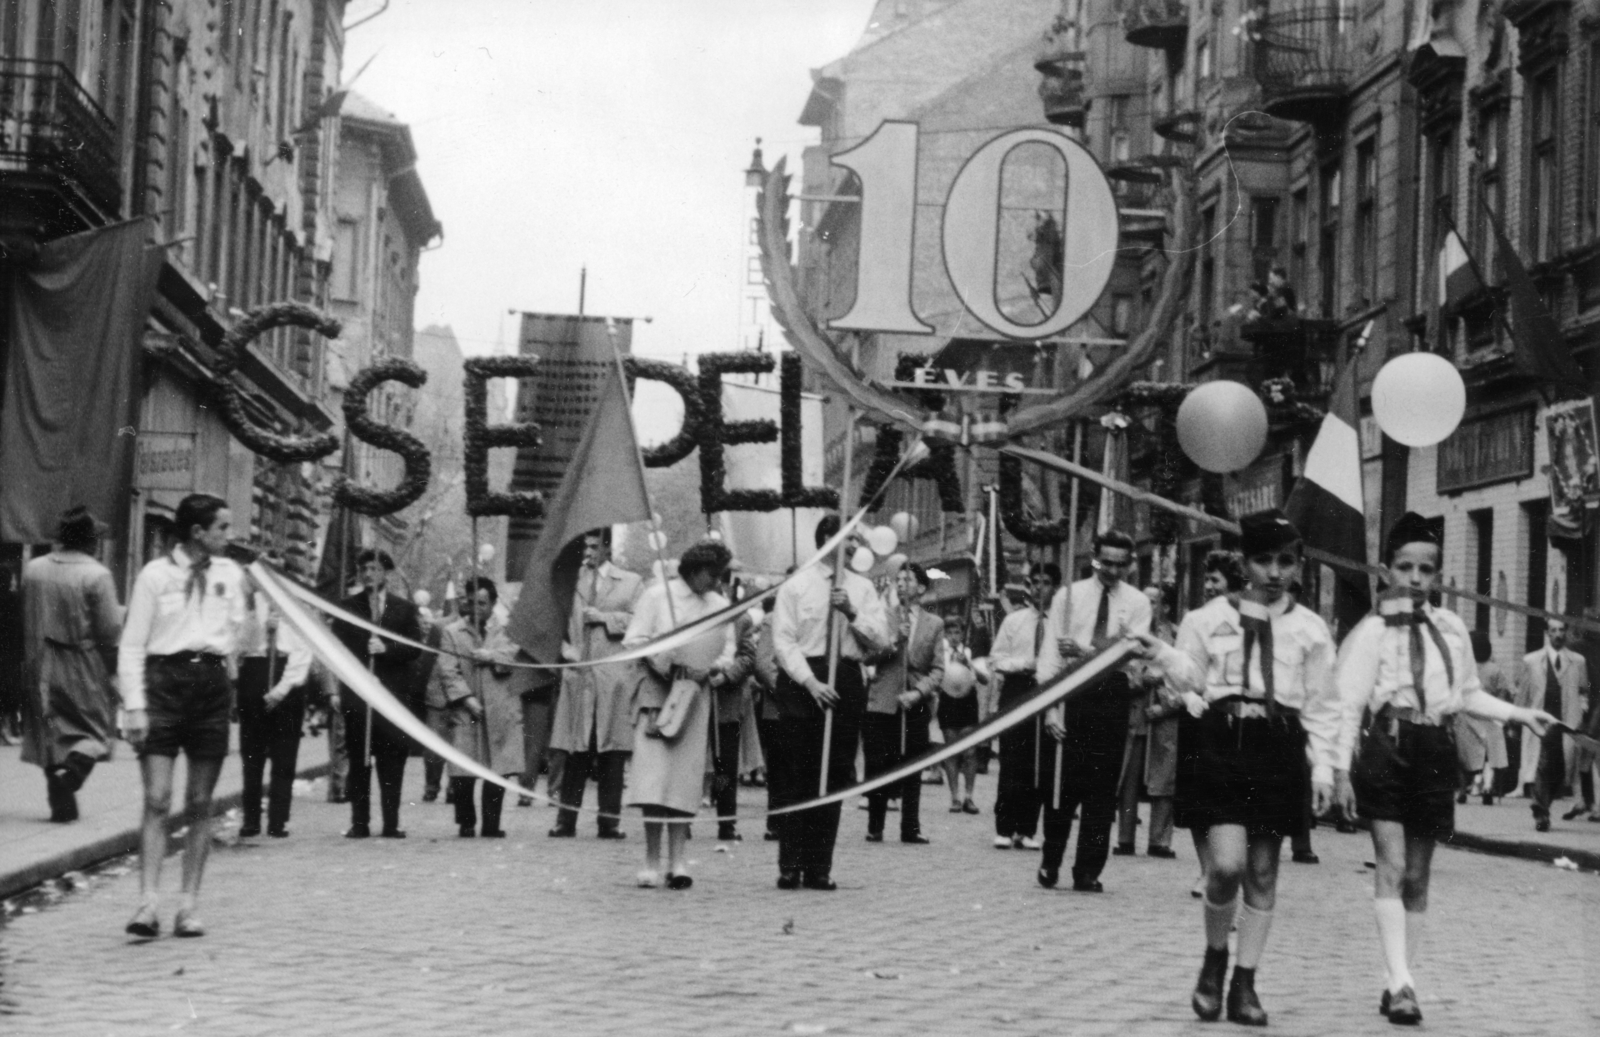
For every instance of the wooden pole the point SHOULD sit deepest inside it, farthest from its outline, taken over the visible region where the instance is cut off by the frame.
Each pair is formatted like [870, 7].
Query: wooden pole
[1068, 576]
[657, 541]
[835, 635]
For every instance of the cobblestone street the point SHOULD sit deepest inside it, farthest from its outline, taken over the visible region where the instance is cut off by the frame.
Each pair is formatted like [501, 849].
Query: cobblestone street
[436, 935]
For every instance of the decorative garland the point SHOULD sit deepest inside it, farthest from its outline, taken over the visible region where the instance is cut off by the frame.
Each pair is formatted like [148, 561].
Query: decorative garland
[230, 351]
[1017, 523]
[419, 465]
[795, 493]
[683, 383]
[939, 465]
[715, 433]
[482, 436]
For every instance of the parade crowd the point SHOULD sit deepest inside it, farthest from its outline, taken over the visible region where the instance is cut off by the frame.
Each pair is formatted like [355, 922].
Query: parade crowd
[1241, 720]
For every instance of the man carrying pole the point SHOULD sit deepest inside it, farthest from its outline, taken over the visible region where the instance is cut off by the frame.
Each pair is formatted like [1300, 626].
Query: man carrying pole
[802, 614]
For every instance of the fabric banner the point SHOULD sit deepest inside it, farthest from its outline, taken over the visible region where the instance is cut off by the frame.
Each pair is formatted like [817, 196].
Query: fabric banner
[71, 393]
[769, 543]
[1574, 471]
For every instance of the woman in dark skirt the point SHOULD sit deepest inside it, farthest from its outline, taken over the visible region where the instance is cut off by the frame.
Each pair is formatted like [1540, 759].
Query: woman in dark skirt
[1246, 771]
[958, 713]
[1409, 670]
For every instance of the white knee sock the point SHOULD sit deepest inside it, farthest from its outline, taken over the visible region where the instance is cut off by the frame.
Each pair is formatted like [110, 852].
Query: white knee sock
[1392, 919]
[1414, 928]
[1219, 921]
[1254, 925]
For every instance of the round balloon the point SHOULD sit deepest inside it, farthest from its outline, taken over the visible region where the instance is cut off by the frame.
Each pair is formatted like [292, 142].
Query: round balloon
[1222, 426]
[904, 525]
[894, 563]
[863, 560]
[1418, 399]
[883, 540]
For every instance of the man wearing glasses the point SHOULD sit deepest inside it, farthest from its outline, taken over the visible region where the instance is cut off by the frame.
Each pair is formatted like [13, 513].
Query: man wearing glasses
[1086, 618]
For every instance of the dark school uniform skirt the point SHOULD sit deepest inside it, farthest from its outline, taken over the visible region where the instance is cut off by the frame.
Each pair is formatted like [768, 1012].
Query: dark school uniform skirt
[1408, 773]
[958, 714]
[1249, 771]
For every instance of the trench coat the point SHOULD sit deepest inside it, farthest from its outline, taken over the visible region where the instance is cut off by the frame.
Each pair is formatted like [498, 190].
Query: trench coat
[495, 739]
[594, 701]
[1574, 678]
[72, 623]
[1481, 742]
[1153, 714]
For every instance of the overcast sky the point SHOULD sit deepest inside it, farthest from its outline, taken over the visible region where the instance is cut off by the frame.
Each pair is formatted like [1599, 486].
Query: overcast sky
[554, 133]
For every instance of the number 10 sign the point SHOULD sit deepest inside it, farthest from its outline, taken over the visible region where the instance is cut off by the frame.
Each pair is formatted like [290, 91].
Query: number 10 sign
[886, 165]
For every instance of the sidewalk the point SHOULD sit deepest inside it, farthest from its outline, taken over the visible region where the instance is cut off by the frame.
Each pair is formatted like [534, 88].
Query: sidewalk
[1506, 829]
[33, 850]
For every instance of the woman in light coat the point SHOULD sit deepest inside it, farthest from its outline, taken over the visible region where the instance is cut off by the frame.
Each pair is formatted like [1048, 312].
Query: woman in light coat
[476, 674]
[669, 769]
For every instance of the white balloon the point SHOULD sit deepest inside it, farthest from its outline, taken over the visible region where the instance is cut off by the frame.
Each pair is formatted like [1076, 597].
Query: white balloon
[895, 563]
[1418, 399]
[883, 540]
[657, 540]
[485, 554]
[862, 560]
[1222, 426]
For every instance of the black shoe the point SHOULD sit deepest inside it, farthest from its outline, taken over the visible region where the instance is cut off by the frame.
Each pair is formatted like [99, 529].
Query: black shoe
[1576, 812]
[1383, 1004]
[1461, 798]
[277, 832]
[449, 797]
[562, 832]
[610, 833]
[1048, 877]
[874, 837]
[429, 795]
[916, 838]
[249, 831]
[1345, 827]
[1541, 824]
[1305, 857]
[821, 881]
[493, 833]
[729, 835]
[1244, 1007]
[467, 832]
[1122, 850]
[1488, 801]
[1403, 1008]
[679, 881]
[393, 833]
[357, 832]
[769, 836]
[1089, 886]
[788, 879]
[1166, 853]
[1207, 997]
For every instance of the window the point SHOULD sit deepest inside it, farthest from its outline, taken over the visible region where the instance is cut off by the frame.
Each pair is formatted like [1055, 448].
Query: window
[1329, 188]
[1491, 187]
[752, 270]
[1589, 178]
[1366, 244]
[1300, 214]
[225, 28]
[755, 231]
[1263, 235]
[1121, 314]
[1202, 57]
[11, 30]
[1441, 206]
[177, 201]
[201, 225]
[1117, 127]
[218, 210]
[116, 54]
[346, 260]
[59, 32]
[1544, 179]
[1208, 268]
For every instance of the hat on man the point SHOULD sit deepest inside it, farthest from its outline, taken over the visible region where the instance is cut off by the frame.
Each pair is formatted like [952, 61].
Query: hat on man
[1265, 531]
[1411, 528]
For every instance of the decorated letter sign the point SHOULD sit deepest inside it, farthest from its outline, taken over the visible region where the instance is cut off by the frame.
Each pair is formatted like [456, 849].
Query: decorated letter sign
[886, 165]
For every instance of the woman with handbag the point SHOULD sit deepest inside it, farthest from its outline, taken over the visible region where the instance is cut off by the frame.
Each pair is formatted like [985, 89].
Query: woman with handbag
[672, 706]
[958, 712]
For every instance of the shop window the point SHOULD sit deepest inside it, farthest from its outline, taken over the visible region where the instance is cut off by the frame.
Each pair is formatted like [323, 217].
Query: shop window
[1366, 224]
[1544, 178]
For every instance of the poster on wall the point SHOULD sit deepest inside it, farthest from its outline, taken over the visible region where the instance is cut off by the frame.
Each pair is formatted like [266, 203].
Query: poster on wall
[1574, 470]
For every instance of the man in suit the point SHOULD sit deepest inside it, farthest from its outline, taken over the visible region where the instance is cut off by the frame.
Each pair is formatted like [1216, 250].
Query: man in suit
[1085, 618]
[593, 724]
[1014, 656]
[1556, 680]
[900, 705]
[390, 661]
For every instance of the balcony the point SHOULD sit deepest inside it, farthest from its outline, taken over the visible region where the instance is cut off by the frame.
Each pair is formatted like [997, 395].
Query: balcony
[1162, 24]
[1303, 351]
[1304, 61]
[1061, 89]
[1143, 206]
[49, 125]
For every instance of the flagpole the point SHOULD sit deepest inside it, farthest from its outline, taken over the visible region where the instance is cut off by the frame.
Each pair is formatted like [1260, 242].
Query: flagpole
[657, 540]
[834, 633]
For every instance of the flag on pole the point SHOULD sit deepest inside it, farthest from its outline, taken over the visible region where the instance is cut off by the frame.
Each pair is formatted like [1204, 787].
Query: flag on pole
[1458, 277]
[603, 486]
[1326, 504]
[1540, 349]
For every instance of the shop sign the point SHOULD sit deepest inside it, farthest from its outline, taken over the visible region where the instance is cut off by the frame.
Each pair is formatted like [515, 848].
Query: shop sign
[164, 461]
[1486, 450]
[1257, 488]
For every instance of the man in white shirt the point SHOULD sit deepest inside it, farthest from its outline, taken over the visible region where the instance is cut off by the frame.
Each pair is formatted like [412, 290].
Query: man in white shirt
[183, 624]
[802, 624]
[273, 665]
[1014, 658]
[1092, 727]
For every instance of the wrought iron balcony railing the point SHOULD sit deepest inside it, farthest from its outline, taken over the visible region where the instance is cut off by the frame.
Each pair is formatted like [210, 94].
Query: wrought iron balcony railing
[1061, 89]
[49, 123]
[1162, 24]
[1304, 60]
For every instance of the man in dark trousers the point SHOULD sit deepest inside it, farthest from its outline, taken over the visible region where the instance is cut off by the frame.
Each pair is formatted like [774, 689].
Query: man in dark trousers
[802, 624]
[390, 662]
[1085, 619]
[1014, 657]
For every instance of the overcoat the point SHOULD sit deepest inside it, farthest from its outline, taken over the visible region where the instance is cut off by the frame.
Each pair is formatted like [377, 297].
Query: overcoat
[594, 701]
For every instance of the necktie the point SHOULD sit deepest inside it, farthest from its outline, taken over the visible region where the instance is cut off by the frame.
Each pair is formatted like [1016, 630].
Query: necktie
[1552, 688]
[1257, 623]
[1102, 617]
[1038, 637]
[197, 577]
[1415, 621]
[1419, 660]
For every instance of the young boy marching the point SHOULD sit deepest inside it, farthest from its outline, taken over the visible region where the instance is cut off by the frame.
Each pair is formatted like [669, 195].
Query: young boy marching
[1259, 681]
[1408, 669]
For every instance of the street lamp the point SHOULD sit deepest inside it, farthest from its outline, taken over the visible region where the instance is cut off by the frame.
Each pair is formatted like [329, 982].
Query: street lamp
[756, 175]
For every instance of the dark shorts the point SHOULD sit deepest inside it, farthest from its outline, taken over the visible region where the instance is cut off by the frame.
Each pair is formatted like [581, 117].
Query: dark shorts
[188, 700]
[956, 714]
[1243, 771]
[1408, 773]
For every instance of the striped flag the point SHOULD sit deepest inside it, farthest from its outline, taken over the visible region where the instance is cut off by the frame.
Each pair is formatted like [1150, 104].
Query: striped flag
[1458, 277]
[1326, 504]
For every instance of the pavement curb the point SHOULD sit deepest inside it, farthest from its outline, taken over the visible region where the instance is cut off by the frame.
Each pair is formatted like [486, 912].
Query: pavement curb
[115, 845]
[1586, 860]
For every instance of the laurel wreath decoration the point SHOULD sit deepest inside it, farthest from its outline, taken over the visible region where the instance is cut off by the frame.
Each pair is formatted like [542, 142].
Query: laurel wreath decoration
[683, 383]
[419, 465]
[481, 437]
[715, 433]
[230, 351]
[795, 492]
[940, 464]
